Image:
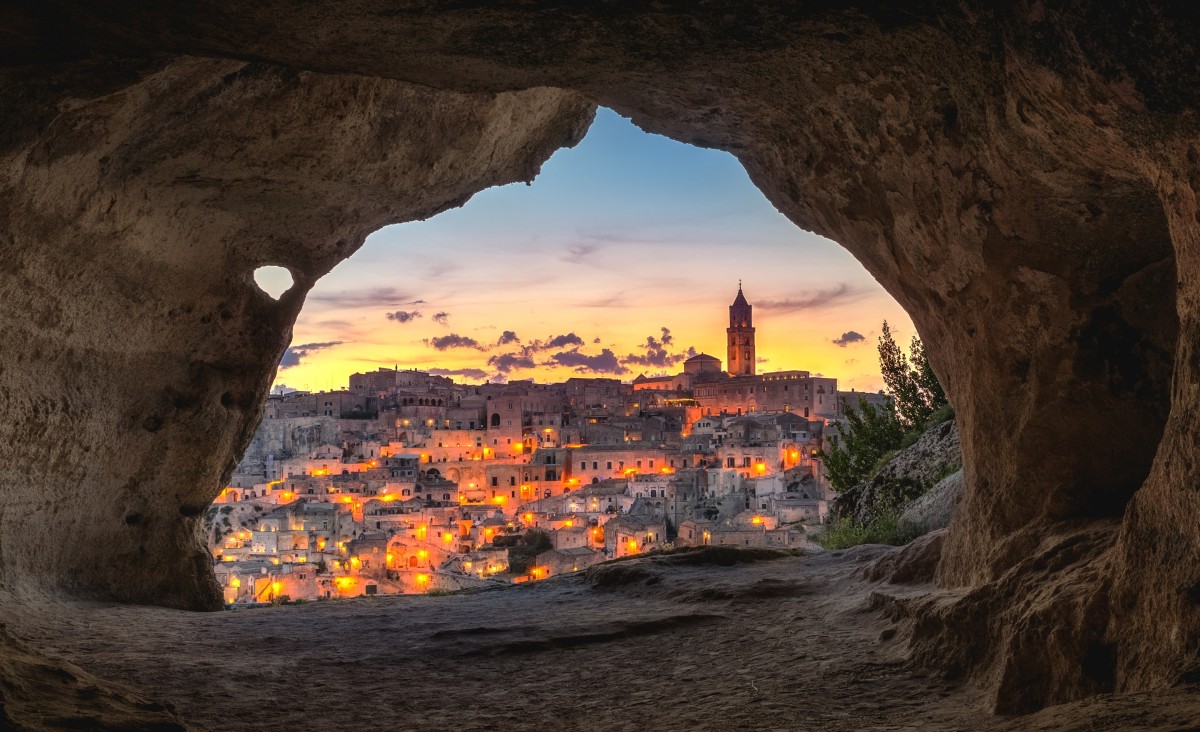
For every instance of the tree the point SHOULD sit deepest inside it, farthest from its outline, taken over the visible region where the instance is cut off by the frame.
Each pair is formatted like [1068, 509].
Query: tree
[868, 434]
[911, 382]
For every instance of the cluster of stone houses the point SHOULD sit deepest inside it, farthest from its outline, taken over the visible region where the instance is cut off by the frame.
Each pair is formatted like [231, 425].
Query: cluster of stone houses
[410, 482]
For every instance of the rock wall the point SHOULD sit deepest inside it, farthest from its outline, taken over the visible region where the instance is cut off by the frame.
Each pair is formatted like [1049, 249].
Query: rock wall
[1021, 177]
[132, 220]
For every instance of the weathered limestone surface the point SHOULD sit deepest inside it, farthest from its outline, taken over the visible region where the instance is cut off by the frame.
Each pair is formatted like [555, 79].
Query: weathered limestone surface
[935, 509]
[138, 349]
[1022, 177]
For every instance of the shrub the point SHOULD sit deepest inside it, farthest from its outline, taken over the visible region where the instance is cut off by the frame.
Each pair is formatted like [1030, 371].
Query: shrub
[520, 558]
[944, 413]
[885, 528]
[910, 439]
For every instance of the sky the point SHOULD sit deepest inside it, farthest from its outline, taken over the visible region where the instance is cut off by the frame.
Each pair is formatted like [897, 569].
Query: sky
[621, 258]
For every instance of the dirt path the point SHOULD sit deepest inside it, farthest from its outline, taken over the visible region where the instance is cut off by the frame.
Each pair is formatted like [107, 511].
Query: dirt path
[778, 645]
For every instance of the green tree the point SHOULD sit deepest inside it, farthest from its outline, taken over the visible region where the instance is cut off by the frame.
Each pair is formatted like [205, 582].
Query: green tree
[867, 435]
[914, 387]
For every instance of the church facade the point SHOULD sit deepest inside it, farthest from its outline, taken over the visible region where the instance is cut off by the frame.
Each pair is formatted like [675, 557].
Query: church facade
[742, 391]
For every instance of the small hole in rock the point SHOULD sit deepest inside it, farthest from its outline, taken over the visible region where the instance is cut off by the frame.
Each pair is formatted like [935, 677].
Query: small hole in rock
[273, 280]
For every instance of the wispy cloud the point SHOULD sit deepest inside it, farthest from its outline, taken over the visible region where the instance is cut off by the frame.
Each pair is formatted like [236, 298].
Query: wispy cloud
[610, 301]
[815, 300]
[439, 269]
[442, 318]
[377, 297]
[294, 354]
[577, 253]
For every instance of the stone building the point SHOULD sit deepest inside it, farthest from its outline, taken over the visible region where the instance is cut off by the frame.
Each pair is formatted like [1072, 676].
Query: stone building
[741, 336]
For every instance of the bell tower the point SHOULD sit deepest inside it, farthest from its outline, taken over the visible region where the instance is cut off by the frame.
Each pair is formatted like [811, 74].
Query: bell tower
[741, 336]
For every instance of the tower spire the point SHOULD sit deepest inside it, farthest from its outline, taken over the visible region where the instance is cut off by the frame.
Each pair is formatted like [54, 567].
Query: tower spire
[741, 335]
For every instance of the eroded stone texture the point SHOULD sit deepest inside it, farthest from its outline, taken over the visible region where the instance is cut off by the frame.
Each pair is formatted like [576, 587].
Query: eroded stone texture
[138, 348]
[1021, 179]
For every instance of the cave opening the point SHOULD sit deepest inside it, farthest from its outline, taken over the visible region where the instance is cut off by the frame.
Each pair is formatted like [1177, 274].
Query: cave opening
[616, 264]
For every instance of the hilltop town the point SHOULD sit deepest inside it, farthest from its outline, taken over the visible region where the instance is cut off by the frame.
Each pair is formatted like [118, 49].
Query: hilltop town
[408, 482]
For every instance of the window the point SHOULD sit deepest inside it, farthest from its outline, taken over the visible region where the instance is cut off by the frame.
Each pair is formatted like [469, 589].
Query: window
[610, 465]
[495, 481]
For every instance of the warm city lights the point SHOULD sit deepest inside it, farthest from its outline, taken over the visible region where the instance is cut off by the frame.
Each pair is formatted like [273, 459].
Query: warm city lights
[422, 465]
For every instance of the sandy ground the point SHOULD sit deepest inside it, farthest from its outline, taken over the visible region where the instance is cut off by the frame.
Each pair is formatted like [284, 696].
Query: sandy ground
[787, 644]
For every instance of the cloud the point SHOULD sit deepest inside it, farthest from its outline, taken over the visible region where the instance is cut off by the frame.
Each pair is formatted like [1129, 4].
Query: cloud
[562, 341]
[404, 316]
[761, 359]
[576, 253]
[476, 374]
[442, 318]
[453, 340]
[507, 337]
[293, 354]
[606, 362]
[377, 297]
[817, 300]
[612, 301]
[595, 340]
[438, 270]
[656, 354]
[850, 336]
[507, 362]
[567, 340]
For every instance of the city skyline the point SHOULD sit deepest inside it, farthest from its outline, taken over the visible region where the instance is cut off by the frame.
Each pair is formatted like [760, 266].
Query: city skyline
[620, 259]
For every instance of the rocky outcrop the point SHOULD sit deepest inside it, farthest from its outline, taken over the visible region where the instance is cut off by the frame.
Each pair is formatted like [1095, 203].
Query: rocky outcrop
[132, 221]
[1022, 177]
[909, 474]
[935, 508]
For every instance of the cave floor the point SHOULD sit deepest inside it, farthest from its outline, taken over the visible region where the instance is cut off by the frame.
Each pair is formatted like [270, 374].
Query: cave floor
[787, 644]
